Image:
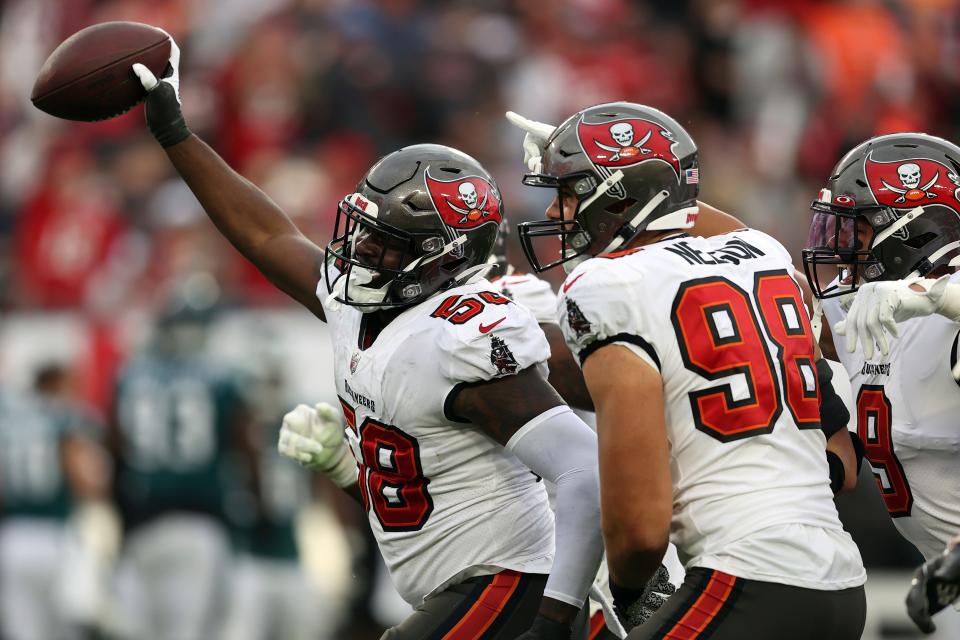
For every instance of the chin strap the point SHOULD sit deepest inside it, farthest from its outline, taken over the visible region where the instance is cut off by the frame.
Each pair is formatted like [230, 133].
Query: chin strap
[473, 274]
[447, 248]
[629, 230]
[816, 319]
[901, 222]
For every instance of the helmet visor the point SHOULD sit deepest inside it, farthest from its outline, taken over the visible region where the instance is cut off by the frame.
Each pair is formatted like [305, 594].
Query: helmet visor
[838, 256]
[832, 231]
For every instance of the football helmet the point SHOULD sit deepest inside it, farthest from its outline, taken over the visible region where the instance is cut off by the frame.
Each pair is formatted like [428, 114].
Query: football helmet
[498, 256]
[631, 168]
[423, 219]
[890, 210]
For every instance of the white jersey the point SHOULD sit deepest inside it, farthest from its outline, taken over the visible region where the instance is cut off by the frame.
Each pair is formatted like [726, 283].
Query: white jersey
[907, 405]
[533, 293]
[722, 319]
[444, 500]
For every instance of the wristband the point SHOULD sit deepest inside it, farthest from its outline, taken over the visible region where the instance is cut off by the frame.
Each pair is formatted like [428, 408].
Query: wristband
[164, 117]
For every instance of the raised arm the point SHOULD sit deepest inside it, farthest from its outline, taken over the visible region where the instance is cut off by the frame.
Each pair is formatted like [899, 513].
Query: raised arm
[243, 213]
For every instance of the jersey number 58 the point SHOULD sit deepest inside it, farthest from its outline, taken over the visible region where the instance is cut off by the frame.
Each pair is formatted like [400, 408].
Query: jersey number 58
[391, 477]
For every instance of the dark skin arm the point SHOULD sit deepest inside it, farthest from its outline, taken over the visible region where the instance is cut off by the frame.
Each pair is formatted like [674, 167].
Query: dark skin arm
[499, 408]
[252, 222]
[565, 376]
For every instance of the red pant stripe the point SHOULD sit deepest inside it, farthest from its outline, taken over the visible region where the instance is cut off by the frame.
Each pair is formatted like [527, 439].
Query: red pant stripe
[705, 609]
[487, 607]
[597, 624]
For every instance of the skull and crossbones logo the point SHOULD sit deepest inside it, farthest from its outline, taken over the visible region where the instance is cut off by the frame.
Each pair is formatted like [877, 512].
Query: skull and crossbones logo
[623, 134]
[474, 208]
[909, 174]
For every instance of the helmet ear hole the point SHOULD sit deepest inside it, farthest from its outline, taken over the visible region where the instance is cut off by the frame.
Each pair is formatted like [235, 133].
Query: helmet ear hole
[620, 206]
[919, 241]
[454, 265]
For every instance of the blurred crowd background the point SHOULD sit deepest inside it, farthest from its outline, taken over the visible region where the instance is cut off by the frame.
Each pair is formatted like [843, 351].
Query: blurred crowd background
[103, 250]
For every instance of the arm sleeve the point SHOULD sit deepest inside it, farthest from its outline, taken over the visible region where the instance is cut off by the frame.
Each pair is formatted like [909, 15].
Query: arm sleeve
[561, 448]
[833, 412]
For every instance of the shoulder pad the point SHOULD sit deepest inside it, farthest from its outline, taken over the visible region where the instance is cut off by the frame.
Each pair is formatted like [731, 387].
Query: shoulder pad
[485, 335]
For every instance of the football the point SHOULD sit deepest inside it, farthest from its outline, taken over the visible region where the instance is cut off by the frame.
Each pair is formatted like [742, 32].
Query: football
[88, 77]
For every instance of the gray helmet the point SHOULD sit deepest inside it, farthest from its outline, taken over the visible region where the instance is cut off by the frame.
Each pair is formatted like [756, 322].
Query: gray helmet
[631, 168]
[906, 186]
[423, 219]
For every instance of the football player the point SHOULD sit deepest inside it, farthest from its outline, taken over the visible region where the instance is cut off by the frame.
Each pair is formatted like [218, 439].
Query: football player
[53, 483]
[270, 595]
[710, 337]
[177, 421]
[538, 297]
[441, 381]
[883, 246]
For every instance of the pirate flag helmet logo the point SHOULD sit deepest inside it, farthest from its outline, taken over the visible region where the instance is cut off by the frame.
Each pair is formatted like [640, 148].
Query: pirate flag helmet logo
[904, 184]
[465, 203]
[626, 142]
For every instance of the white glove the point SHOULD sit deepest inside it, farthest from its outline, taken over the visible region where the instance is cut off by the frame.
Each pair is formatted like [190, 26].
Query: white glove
[534, 142]
[879, 306]
[315, 438]
[149, 81]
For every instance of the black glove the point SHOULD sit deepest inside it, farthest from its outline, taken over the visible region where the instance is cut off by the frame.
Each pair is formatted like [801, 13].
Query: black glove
[635, 606]
[546, 629]
[164, 118]
[936, 585]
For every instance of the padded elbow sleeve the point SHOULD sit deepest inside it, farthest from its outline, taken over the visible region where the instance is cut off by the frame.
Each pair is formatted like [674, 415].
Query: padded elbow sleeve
[837, 473]
[833, 412]
[858, 449]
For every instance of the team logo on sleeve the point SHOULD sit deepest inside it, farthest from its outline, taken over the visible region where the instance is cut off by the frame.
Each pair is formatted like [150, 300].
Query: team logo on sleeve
[577, 321]
[465, 203]
[501, 357]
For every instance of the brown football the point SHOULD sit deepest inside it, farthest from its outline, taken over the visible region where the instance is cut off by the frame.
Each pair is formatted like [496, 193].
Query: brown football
[88, 77]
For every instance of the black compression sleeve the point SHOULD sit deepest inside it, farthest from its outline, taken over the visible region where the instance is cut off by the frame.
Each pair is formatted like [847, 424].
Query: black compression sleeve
[833, 412]
[837, 472]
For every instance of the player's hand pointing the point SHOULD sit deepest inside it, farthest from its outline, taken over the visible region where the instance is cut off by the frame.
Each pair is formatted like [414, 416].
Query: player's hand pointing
[534, 142]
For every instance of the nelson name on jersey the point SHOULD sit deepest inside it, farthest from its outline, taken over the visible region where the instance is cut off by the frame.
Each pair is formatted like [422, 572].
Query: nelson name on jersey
[733, 252]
